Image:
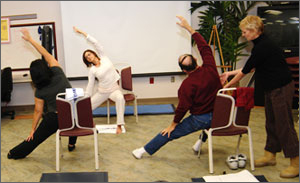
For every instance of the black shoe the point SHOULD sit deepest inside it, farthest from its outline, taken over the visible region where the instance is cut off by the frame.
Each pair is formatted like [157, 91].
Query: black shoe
[9, 156]
[71, 148]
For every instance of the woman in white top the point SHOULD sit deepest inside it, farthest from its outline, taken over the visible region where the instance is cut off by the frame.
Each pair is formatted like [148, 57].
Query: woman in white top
[103, 69]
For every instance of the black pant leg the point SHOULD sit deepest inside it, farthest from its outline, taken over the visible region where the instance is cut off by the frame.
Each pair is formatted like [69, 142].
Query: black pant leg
[72, 140]
[47, 127]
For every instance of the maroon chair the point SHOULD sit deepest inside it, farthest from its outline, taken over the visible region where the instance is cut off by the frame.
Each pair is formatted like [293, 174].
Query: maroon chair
[127, 90]
[75, 119]
[228, 120]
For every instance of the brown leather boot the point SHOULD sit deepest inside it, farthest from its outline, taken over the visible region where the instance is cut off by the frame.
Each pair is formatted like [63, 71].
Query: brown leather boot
[269, 159]
[291, 171]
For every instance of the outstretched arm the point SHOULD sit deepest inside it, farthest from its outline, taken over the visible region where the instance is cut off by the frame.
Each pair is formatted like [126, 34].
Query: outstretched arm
[48, 57]
[203, 47]
[80, 31]
[96, 44]
[184, 24]
[225, 75]
[236, 78]
[37, 115]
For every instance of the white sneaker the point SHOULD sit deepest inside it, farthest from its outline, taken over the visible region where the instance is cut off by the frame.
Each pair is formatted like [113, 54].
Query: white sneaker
[232, 162]
[137, 153]
[242, 160]
[197, 146]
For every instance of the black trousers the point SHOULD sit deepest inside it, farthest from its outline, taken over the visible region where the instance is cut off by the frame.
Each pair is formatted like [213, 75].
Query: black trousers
[281, 133]
[47, 127]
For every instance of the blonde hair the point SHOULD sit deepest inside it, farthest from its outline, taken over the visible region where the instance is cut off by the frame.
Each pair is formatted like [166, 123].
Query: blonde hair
[252, 22]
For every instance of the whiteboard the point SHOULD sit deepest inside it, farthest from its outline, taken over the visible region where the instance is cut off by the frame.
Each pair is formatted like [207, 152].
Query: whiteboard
[18, 54]
[143, 34]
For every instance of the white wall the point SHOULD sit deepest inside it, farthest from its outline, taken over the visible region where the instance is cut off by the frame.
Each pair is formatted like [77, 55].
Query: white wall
[129, 31]
[48, 11]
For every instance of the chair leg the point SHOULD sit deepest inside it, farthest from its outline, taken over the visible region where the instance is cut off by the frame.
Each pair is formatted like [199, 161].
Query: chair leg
[96, 149]
[135, 110]
[210, 153]
[61, 147]
[238, 145]
[57, 150]
[201, 136]
[251, 150]
[108, 112]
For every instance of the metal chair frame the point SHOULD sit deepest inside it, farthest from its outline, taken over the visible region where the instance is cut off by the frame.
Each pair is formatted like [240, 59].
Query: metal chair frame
[75, 124]
[231, 121]
[125, 92]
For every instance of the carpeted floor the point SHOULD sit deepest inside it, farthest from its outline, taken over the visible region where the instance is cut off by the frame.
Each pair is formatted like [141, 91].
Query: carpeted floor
[175, 162]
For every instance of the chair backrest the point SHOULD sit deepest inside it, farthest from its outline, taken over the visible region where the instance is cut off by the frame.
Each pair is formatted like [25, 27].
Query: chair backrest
[84, 115]
[64, 114]
[6, 84]
[242, 116]
[126, 78]
[223, 111]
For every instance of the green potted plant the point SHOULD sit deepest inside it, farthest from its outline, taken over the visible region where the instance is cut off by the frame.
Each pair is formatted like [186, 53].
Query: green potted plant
[226, 15]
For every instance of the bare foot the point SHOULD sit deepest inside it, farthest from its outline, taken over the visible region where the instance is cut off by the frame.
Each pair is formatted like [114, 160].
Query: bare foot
[119, 129]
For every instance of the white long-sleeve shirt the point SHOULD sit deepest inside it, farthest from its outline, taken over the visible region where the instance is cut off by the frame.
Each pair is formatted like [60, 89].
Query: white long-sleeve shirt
[106, 73]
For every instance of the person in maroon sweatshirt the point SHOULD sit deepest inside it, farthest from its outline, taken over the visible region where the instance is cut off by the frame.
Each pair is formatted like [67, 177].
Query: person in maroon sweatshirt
[196, 94]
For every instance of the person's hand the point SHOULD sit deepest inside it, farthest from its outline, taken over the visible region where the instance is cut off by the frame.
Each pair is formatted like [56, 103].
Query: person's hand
[79, 31]
[224, 77]
[169, 129]
[183, 23]
[30, 137]
[26, 35]
[76, 30]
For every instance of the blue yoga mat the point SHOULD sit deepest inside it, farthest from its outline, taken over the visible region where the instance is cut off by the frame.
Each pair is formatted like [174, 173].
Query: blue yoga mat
[142, 109]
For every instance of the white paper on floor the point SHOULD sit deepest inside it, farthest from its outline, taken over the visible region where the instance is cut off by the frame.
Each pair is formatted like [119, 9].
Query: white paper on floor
[108, 128]
[242, 176]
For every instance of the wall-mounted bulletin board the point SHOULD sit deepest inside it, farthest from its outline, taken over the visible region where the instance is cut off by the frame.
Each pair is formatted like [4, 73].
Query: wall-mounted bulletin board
[5, 30]
[18, 53]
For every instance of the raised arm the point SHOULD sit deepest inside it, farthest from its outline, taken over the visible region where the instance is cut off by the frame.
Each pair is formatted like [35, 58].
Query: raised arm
[203, 47]
[48, 57]
[80, 31]
[184, 24]
[96, 44]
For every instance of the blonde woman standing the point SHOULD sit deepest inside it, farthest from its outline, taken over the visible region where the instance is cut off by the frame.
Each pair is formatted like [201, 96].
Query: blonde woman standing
[272, 71]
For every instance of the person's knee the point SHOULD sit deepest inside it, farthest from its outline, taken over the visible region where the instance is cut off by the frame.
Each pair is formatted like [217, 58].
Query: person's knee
[120, 98]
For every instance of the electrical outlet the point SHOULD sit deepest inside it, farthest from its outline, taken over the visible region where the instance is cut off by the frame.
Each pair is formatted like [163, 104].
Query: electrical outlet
[151, 80]
[172, 79]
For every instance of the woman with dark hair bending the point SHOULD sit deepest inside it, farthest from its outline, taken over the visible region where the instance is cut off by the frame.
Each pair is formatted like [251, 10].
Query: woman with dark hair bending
[102, 69]
[48, 81]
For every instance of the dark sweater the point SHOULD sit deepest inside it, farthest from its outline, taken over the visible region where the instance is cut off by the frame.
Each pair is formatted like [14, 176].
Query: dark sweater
[58, 84]
[198, 91]
[270, 66]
